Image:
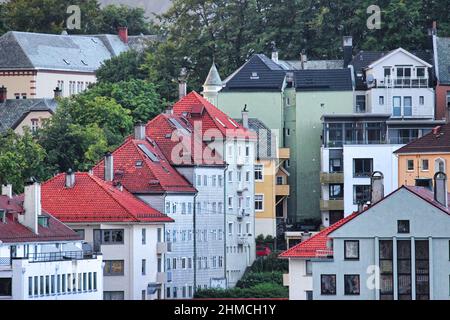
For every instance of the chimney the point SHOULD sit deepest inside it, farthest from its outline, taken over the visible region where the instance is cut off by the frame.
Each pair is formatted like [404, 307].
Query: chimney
[245, 117]
[70, 179]
[109, 167]
[436, 130]
[7, 190]
[305, 236]
[123, 34]
[57, 93]
[440, 188]
[31, 205]
[434, 28]
[182, 83]
[3, 94]
[139, 131]
[348, 50]
[303, 59]
[377, 186]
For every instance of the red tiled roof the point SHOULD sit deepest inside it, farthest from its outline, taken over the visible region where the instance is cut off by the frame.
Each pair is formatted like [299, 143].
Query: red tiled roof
[431, 142]
[150, 177]
[94, 200]
[198, 108]
[316, 246]
[168, 138]
[13, 232]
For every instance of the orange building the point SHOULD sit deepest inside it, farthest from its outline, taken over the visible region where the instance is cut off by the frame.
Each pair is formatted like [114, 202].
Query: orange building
[419, 160]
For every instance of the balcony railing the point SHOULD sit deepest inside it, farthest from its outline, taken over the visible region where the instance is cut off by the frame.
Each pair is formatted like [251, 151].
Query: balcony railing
[282, 190]
[331, 177]
[403, 82]
[50, 256]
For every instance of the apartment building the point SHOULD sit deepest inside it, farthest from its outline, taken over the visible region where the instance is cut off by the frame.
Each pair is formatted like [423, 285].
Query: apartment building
[141, 168]
[40, 257]
[236, 146]
[110, 220]
[205, 170]
[395, 249]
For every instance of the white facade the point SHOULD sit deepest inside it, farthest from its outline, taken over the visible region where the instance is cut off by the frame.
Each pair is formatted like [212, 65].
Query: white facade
[383, 160]
[69, 83]
[134, 264]
[50, 271]
[300, 281]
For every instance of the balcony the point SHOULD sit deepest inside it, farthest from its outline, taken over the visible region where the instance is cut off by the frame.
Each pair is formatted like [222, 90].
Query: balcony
[161, 277]
[327, 205]
[401, 82]
[331, 177]
[284, 153]
[282, 190]
[161, 247]
[241, 240]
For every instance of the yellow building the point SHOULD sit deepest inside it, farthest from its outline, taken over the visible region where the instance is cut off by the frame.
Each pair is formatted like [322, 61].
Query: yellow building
[271, 181]
[419, 160]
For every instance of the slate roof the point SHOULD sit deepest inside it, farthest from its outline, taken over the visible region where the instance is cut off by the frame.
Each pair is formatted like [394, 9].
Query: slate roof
[430, 142]
[261, 73]
[13, 232]
[13, 111]
[148, 177]
[266, 146]
[312, 64]
[94, 200]
[81, 53]
[443, 59]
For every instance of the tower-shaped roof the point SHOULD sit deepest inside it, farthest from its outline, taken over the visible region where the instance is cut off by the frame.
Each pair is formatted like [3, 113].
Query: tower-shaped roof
[213, 78]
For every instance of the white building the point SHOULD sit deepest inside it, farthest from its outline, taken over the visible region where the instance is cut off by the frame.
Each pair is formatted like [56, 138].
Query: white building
[236, 145]
[40, 257]
[110, 220]
[141, 168]
[396, 249]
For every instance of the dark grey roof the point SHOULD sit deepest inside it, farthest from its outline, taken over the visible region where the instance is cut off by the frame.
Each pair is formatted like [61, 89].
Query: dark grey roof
[266, 146]
[12, 111]
[443, 59]
[312, 64]
[83, 53]
[261, 73]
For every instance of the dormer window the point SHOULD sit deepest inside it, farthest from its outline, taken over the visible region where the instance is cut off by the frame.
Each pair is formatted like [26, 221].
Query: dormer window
[139, 164]
[254, 76]
[43, 221]
[2, 216]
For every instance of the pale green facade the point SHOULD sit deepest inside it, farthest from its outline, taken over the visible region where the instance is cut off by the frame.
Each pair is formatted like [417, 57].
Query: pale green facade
[299, 112]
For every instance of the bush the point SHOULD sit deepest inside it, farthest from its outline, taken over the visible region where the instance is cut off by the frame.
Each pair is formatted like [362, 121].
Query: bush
[262, 290]
[251, 279]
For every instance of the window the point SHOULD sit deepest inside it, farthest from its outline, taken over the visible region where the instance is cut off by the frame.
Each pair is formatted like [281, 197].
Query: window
[362, 167]
[351, 284]
[361, 194]
[259, 202]
[422, 270]
[80, 232]
[34, 125]
[397, 106]
[403, 72]
[403, 226]
[199, 181]
[287, 131]
[387, 72]
[439, 165]
[421, 100]
[259, 172]
[143, 267]
[381, 100]
[309, 295]
[247, 176]
[336, 165]
[425, 165]
[328, 284]
[114, 236]
[410, 165]
[404, 269]
[113, 295]
[230, 228]
[230, 176]
[420, 71]
[114, 268]
[308, 267]
[167, 208]
[143, 295]
[407, 106]
[230, 202]
[144, 236]
[205, 180]
[351, 250]
[280, 180]
[220, 181]
[386, 270]
[214, 180]
[5, 287]
[336, 191]
[360, 103]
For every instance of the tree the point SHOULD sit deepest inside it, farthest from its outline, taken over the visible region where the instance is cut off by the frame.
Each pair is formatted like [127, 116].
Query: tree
[21, 157]
[124, 67]
[137, 97]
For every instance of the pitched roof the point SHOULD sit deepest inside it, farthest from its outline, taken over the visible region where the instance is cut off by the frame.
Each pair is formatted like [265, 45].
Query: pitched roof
[138, 173]
[82, 53]
[442, 52]
[260, 72]
[266, 146]
[316, 246]
[13, 232]
[311, 64]
[430, 142]
[13, 111]
[169, 131]
[213, 78]
[94, 200]
[197, 109]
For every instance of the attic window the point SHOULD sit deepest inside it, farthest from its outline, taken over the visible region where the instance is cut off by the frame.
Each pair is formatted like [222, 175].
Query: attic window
[254, 76]
[223, 125]
[168, 136]
[2, 216]
[148, 153]
[66, 62]
[43, 221]
[139, 163]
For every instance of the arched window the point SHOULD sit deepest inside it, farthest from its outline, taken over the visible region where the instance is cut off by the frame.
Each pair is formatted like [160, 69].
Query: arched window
[439, 165]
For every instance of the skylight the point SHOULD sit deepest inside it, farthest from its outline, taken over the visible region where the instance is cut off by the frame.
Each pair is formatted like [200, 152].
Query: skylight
[233, 123]
[223, 125]
[66, 62]
[148, 153]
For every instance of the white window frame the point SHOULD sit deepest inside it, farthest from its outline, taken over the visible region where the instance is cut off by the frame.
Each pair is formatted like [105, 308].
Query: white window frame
[262, 202]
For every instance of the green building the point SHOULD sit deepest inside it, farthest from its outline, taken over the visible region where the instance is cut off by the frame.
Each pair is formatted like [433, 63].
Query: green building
[290, 97]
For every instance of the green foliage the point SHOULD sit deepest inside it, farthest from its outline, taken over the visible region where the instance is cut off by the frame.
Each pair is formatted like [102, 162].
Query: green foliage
[250, 279]
[112, 16]
[21, 157]
[263, 290]
[137, 96]
[124, 67]
[269, 263]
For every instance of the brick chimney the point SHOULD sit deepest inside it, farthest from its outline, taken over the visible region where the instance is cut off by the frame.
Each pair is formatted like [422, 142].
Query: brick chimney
[3, 94]
[109, 167]
[123, 34]
[57, 93]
